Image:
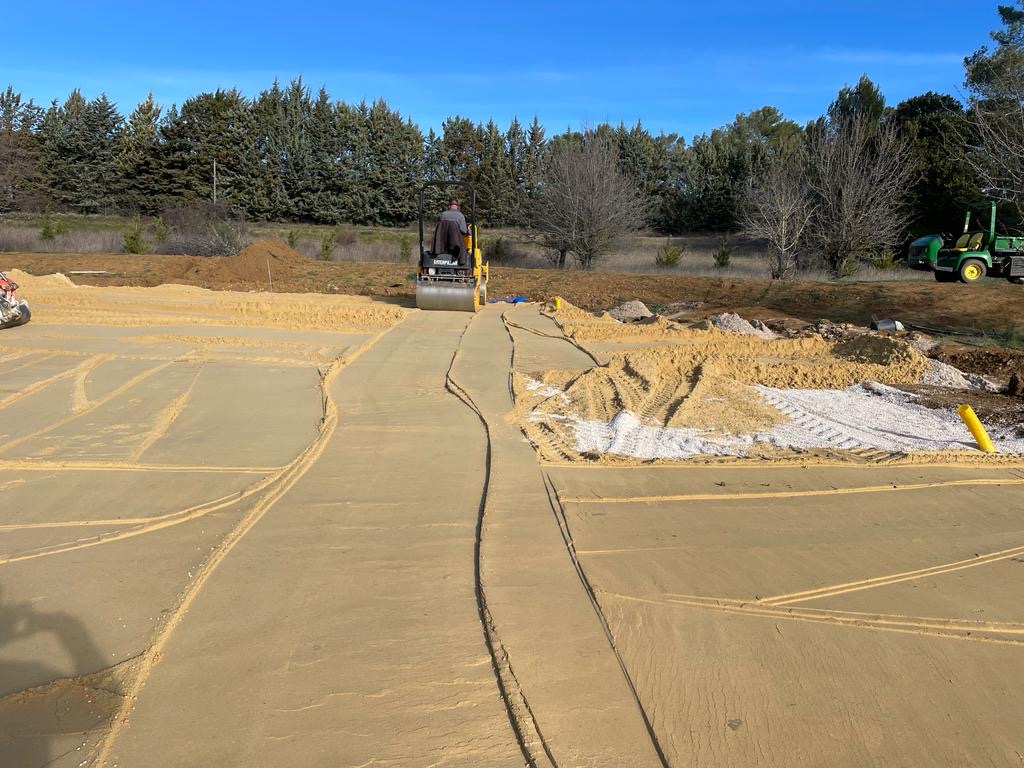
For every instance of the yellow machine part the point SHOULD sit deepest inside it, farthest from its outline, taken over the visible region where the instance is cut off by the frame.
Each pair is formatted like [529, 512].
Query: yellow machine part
[978, 432]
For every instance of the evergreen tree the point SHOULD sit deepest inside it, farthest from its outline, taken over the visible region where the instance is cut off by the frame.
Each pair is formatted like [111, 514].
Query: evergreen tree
[461, 149]
[270, 198]
[533, 164]
[394, 159]
[218, 126]
[139, 158]
[21, 185]
[517, 147]
[433, 165]
[352, 189]
[496, 187]
[864, 100]
[80, 142]
[646, 161]
[297, 157]
[943, 184]
[999, 73]
[324, 157]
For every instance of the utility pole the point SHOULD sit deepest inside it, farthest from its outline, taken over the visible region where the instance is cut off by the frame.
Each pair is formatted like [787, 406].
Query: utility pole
[214, 181]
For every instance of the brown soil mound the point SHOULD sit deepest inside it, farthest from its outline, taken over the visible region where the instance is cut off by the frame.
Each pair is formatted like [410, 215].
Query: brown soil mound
[988, 361]
[256, 265]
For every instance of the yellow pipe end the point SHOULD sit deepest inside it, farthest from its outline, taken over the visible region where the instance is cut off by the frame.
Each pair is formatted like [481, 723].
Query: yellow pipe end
[977, 430]
[557, 302]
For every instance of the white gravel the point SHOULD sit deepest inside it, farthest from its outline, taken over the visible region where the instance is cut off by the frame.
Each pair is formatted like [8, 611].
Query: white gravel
[941, 374]
[631, 311]
[733, 323]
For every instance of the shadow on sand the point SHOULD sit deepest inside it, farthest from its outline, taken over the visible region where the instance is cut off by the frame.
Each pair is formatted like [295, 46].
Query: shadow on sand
[47, 710]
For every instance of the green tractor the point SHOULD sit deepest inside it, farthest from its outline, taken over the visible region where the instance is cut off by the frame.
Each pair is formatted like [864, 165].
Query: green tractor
[975, 254]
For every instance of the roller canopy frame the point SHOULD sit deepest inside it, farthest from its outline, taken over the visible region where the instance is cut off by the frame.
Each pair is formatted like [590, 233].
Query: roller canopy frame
[472, 210]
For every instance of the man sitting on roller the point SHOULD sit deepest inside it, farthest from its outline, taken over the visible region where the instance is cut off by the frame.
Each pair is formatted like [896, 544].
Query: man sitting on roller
[449, 233]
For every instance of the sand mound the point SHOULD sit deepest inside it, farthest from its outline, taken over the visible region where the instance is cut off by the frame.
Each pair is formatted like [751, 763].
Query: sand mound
[250, 265]
[706, 381]
[55, 301]
[28, 283]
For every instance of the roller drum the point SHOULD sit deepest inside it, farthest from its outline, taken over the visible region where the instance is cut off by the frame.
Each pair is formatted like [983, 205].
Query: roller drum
[441, 295]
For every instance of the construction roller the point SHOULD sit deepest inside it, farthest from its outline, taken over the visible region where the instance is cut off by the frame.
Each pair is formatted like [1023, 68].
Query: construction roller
[455, 281]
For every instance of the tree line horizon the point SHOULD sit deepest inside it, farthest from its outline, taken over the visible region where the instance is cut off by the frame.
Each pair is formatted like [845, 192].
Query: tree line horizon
[290, 154]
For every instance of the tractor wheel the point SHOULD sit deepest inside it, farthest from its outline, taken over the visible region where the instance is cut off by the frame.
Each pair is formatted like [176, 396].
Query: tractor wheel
[944, 277]
[972, 270]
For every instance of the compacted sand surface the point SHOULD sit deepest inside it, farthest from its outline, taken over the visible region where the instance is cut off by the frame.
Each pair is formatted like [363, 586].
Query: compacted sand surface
[253, 529]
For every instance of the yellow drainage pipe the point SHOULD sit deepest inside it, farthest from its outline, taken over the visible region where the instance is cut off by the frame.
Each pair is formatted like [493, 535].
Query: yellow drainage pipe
[977, 430]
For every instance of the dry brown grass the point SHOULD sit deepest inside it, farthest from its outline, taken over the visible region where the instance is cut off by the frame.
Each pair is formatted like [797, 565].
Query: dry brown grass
[367, 244]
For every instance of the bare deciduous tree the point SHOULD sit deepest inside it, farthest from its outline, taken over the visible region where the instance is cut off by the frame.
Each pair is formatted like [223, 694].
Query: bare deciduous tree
[585, 203]
[859, 174]
[778, 207]
[996, 148]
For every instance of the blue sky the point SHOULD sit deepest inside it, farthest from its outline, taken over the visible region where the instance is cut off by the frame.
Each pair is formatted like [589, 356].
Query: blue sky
[683, 67]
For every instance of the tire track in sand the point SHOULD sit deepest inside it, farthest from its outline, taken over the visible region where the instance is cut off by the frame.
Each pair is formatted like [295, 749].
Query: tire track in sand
[949, 629]
[166, 418]
[37, 386]
[80, 398]
[893, 578]
[753, 495]
[288, 478]
[88, 365]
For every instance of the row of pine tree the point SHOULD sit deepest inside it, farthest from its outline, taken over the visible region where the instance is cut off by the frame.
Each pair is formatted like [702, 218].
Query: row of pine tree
[293, 155]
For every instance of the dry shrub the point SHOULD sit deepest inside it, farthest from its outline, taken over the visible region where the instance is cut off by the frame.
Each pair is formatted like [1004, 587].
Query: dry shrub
[345, 234]
[204, 229]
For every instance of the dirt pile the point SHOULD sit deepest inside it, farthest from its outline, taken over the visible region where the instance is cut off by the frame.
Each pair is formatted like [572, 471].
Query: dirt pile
[581, 326]
[255, 266]
[988, 361]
